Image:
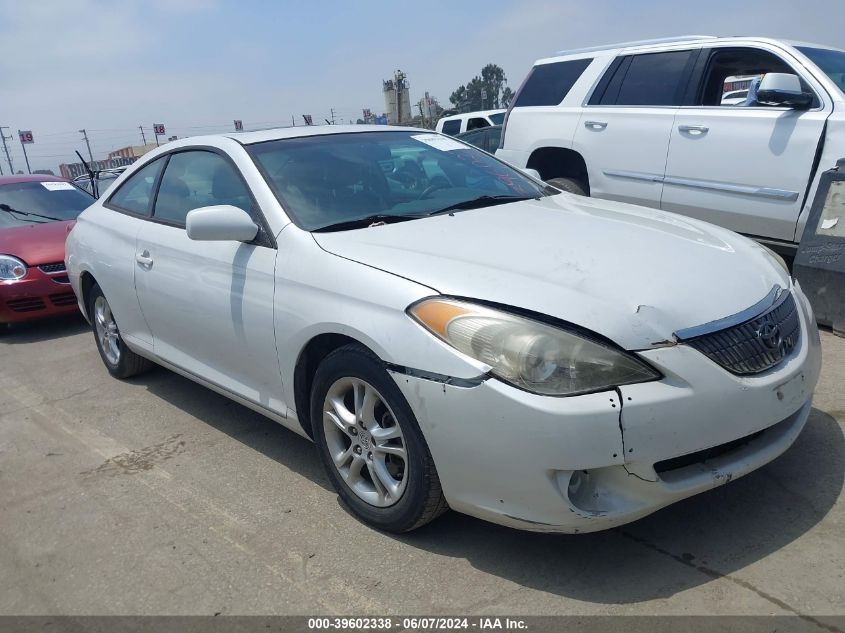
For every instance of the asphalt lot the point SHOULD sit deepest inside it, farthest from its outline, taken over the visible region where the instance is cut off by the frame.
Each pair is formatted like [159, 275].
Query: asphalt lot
[157, 496]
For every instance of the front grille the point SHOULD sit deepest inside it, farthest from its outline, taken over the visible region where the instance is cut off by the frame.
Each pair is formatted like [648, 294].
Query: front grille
[29, 304]
[757, 344]
[63, 299]
[61, 279]
[58, 267]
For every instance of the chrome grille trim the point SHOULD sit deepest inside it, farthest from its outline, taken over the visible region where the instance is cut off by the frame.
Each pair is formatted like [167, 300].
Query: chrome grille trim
[756, 344]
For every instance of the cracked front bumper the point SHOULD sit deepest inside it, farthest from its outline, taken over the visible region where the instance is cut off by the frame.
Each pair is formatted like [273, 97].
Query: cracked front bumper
[591, 462]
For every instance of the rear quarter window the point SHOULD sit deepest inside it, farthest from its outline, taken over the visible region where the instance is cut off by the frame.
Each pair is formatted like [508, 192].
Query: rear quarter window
[548, 84]
[452, 127]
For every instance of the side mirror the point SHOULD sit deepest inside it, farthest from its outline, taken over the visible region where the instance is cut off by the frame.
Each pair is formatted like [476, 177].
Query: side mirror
[220, 223]
[783, 89]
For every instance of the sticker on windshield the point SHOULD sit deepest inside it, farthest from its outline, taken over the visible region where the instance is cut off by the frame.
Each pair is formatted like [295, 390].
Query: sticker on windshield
[439, 142]
[57, 186]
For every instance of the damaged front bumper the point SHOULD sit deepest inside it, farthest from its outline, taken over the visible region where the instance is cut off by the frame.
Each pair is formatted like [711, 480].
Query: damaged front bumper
[591, 462]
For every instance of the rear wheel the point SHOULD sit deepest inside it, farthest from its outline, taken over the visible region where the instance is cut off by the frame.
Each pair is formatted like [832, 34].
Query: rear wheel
[121, 361]
[570, 185]
[371, 445]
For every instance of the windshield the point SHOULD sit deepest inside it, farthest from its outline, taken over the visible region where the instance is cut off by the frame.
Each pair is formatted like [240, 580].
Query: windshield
[331, 179]
[497, 119]
[832, 62]
[38, 202]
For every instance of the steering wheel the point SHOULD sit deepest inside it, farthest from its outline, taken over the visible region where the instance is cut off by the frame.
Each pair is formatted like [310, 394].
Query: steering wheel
[438, 182]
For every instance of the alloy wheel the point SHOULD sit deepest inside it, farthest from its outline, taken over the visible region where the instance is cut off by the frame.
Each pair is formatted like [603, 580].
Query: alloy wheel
[107, 333]
[365, 442]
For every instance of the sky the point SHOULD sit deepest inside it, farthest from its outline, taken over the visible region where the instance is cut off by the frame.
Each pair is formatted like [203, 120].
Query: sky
[110, 66]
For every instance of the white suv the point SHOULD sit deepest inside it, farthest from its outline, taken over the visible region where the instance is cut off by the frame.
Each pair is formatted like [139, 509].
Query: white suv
[645, 123]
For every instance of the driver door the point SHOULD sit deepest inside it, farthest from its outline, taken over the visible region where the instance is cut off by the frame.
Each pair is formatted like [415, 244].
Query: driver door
[209, 304]
[744, 167]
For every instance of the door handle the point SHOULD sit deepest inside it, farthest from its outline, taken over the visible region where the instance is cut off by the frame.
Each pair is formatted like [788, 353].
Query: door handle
[595, 125]
[144, 259]
[694, 129]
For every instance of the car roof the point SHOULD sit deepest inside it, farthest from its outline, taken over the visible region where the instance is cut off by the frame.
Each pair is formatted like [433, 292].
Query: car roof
[301, 131]
[8, 180]
[480, 129]
[695, 40]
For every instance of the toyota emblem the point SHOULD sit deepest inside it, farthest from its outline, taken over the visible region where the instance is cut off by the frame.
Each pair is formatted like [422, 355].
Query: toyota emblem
[769, 335]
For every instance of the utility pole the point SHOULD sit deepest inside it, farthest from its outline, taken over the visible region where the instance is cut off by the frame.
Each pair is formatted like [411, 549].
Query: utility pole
[332, 111]
[25, 157]
[143, 138]
[6, 149]
[85, 136]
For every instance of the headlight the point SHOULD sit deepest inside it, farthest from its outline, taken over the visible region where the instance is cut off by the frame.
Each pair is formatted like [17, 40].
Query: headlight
[530, 354]
[11, 268]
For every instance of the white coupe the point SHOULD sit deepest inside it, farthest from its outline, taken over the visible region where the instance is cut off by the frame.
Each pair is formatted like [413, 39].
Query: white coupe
[450, 332]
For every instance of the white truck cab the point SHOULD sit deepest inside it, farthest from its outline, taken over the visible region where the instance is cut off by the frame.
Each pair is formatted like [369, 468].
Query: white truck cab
[467, 121]
[651, 123]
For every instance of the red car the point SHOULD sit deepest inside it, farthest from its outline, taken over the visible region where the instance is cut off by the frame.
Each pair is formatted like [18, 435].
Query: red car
[36, 214]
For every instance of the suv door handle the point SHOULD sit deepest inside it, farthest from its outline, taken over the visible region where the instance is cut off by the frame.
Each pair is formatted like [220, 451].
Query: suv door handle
[144, 259]
[595, 125]
[694, 129]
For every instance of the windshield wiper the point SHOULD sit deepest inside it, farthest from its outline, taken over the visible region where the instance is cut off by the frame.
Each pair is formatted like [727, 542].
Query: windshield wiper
[367, 221]
[481, 201]
[9, 209]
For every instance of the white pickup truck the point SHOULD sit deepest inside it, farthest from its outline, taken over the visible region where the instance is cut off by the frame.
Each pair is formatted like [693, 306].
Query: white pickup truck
[645, 122]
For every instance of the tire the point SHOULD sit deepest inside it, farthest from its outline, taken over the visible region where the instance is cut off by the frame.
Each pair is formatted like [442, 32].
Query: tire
[121, 361]
[570, 185]
[352, 371]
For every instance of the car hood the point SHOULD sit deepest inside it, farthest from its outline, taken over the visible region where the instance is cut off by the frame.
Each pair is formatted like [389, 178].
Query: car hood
[632, 274]
[36, 244]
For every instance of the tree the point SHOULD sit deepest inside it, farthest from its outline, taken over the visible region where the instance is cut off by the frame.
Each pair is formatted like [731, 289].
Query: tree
[467, 97]
[507, 96]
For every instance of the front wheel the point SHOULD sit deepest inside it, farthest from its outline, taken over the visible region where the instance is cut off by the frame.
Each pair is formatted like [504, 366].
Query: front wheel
[570, 185]
[371, 445]
[121, 361]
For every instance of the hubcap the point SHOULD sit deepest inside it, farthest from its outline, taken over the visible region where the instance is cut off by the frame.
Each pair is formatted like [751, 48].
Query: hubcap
[107, 333]
[365, 442]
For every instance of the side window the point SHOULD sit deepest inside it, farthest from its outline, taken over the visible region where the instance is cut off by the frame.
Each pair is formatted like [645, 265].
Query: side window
[650, 79]
[473, 138]
[477, 123]
[734, 74]
[548, 84]
[135, 195]
[196, 179]
[452, 127]
[494, 137]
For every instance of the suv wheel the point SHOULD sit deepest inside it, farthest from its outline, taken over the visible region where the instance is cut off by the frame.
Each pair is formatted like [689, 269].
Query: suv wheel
[371, 445]
[121, 361]
[570, 185]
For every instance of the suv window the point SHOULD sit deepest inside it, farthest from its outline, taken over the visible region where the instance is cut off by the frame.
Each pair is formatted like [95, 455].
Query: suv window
[195, 179]
[135, 195]
[650, 79]
[732, 69]
[477, 123]
[452, 127]
[548, 84]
